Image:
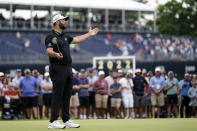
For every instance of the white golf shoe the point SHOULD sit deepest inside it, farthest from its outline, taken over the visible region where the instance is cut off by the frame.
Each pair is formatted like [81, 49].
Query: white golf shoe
[70, 124]
[56, 125]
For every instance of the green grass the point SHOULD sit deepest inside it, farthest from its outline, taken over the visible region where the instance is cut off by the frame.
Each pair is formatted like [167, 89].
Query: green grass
[107, 125]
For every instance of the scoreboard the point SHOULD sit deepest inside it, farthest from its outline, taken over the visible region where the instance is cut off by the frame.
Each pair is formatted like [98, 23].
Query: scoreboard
[114, 62]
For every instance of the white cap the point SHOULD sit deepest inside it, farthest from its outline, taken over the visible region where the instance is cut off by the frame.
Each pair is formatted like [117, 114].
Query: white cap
[59, 17]
[144, 71]
[138, 70]
[1, 74]
[46, 74]
[119, 71]
[130, 71]
[157, 69]
[46, 68]
[101, 73]
[74, 71]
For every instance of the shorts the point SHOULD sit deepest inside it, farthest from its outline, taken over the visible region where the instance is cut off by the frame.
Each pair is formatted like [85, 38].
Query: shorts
[47, 99]
[172, 99]
[101, 101]
[157, 100]
[74, 100]
[115, 102]
[92, 98]
[140, 101]
[30, 102]
[84, 101]
[40, 100]
[127, 100]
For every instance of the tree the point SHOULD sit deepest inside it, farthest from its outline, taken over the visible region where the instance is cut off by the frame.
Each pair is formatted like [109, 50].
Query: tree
[178, 18]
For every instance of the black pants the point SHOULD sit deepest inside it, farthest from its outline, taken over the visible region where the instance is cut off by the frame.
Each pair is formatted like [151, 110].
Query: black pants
[62, 79]
[185, 102]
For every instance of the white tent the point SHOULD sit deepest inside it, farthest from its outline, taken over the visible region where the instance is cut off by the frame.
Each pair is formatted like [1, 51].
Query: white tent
[98, 4]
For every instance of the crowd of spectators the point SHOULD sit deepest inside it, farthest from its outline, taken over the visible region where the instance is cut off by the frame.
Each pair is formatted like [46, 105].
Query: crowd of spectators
[95, 95]
[155, 47]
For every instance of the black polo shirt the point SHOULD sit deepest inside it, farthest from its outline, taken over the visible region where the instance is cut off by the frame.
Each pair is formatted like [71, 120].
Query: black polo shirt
[55, 39]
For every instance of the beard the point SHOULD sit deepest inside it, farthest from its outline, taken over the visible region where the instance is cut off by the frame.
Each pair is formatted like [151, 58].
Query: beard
[62, 26]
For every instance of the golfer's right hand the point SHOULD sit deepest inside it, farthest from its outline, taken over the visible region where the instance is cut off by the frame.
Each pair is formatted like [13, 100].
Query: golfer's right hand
[59, 56]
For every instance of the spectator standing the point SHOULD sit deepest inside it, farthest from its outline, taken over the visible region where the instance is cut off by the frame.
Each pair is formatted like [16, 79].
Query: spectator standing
[185, 84]
[172, 86]
[83, 94]
[192, 93]
[29, 92]
[101, 95]
[47, 87]
[157, 84]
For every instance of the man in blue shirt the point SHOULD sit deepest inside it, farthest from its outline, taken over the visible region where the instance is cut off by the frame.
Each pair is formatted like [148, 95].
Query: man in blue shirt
[83, 94]
[157, 84]
[29, 88]
[185, 84]
[116, 97]
[35, 74]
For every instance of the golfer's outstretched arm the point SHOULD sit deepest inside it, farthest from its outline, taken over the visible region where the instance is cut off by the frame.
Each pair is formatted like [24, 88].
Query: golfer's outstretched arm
[79, 39]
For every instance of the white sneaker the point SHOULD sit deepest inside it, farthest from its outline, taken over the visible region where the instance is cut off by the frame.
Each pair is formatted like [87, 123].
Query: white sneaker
[70, 124]
[56, 125]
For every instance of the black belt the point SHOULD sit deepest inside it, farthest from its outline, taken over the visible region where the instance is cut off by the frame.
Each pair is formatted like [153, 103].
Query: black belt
[67, 65]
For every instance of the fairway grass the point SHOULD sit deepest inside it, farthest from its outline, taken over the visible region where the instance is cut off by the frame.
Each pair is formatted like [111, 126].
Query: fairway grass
[106, 125]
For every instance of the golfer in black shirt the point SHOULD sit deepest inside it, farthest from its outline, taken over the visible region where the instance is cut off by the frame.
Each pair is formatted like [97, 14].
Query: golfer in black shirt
[57, 48]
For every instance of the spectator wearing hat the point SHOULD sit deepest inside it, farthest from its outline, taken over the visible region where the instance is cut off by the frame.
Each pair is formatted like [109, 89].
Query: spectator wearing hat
[74, 99]
[192, 93]
[139, 91]
[101, 95]
[16, 80]
[29, 92]
[157, 84]
[47, 86]
[172, 86]
[91, 79]
[185, 84]
[127, 95]
[110, 81]
[83, 94]
[36, 75]
[115, 90]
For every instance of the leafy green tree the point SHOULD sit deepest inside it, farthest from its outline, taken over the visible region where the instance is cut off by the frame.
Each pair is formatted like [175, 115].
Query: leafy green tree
[178, 18]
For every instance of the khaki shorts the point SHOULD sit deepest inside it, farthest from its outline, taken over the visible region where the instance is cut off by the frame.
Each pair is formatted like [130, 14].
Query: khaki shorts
[115, 102]
[74, 101]
[101, 101]
[157, 100]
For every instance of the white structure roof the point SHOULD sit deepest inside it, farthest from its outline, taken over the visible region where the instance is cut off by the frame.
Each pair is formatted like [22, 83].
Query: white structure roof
[97, 4]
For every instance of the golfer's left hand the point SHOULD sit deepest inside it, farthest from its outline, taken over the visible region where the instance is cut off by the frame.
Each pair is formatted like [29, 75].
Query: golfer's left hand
[93, 32]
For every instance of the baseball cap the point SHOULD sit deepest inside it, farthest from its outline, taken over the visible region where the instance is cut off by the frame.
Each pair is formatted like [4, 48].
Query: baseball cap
[119, 71]
[170, 73]
[138, 70]
[1, 74]
[27, 71]
[157, 69]
[18, 70]
[74, 71]
[46, 74]
[34, 71]
[144, 70]
[130, 71]
[82, 70]
[101, 73]
[186, 74]
[59, 17]
[115, 77]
